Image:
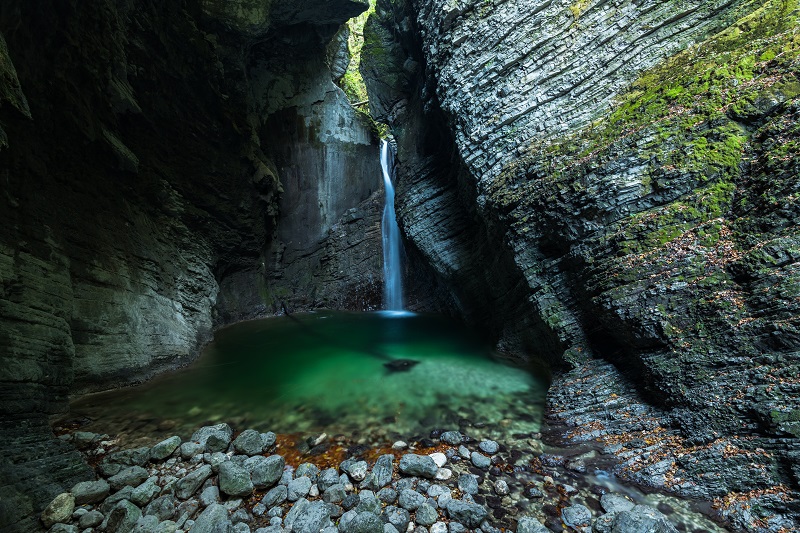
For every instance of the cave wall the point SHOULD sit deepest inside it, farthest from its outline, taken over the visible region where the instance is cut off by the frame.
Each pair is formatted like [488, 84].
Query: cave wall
[625, 156]
[141, 197]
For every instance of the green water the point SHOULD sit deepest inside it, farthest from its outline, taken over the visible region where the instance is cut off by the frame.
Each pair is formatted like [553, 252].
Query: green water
[325, 372]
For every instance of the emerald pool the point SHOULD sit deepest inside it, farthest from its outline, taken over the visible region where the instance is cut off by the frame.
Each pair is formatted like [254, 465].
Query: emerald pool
[326, 372]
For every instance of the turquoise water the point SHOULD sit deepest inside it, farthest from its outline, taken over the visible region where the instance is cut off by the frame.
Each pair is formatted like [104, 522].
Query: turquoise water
[326, 372]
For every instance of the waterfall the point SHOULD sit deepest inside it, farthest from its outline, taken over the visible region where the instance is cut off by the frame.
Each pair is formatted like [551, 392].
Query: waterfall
[392, 275]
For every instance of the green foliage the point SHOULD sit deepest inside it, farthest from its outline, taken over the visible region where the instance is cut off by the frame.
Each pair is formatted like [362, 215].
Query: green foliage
[352, 83]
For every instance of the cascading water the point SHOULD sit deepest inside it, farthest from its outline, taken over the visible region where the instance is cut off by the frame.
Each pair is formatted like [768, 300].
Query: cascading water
[392, 278]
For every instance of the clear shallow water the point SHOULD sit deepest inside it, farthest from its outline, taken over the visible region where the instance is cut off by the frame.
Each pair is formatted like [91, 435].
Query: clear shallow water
[325, 371]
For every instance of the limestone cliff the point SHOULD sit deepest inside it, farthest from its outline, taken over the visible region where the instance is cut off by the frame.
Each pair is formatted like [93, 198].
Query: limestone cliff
[628, 169]
[144, 152]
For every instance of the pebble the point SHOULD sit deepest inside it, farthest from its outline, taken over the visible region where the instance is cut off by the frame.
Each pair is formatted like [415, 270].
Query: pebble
[298, 488]
[358, 470]
[426, 515]
[612, 503]
[528, 524]
[418, 465]
[248, 442]
[576, 516]
[209, 495]
[501, 487]
[443, 474]
[410, 499]
[59, 510]
[480, 460]
[452, 437]
[468, 483]
[489, 446]
[463, 452]
[400, 445]
[439, 458]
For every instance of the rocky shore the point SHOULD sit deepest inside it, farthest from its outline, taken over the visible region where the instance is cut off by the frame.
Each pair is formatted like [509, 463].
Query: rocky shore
[448, 482]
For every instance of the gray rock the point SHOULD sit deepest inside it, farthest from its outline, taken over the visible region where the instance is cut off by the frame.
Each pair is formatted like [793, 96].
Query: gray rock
[382, 472]
[187, 486]
[314, 518]
[190, 449]
[134, 457]
[463, 452]
[480, 460]
[398, 517]
[221, 431]
[268, 440]
[132, 476]
[249, 442]
[469, 514]
[214, 519]
[489, 446]
[642, 519]
[91, 519]
[240, 515]
[63, 528]
[146, 524]
[335, 494]
[163, 507]
[527, 524]
[456, 527]
[613, 503]
[350, 501]
[501, 487]
[165, 448]
[215, 459]
[468, 483]
[387, 495]
[209, 495]
[368, 503]
[604, 523]
[234, 480]
[144, 493]
[297, 509]
[438, 527]
[298, 488]
[346, 520]
[327, 478]
[265, 471]
[410, 499]
[58, 510]
[271, 529]
[241, 527]
[418, 465]
[364, 523]
[307, 470]
[454, 438]
[576, 516]
[287, 476]
[358, 470]
[275, 496]
[389, 528]
[167, 526]
[90, 491]
[426, 515]
[123, 517]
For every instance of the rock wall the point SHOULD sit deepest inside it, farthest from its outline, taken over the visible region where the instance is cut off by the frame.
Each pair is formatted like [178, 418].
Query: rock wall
[142, 192]
[618, 153]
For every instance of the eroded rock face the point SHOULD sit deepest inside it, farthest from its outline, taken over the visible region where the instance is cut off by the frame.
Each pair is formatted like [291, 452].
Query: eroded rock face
[642, 203]
[140, 196]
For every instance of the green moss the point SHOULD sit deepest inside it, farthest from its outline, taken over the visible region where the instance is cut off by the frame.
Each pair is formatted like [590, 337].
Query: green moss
[352, 83]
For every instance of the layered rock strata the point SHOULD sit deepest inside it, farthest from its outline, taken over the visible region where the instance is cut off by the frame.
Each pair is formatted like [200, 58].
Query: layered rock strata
[644, 196]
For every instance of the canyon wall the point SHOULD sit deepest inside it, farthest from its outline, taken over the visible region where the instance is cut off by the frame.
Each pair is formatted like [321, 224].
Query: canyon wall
[152, 161]
[626, 174]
